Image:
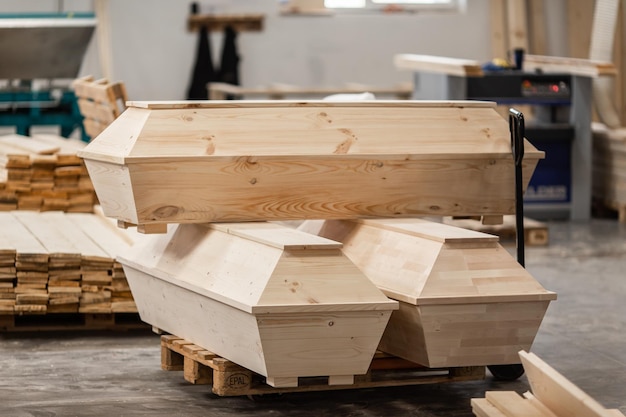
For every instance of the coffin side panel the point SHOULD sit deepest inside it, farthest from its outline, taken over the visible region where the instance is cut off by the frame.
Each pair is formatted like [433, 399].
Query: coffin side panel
[113, 186]
[404, 335]
[480, 334]
[463, 334]
[222, 329]
[244, 189]
[322, 344]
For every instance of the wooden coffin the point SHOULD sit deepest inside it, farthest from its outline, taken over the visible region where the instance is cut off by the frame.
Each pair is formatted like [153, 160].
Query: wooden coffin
[277, 301]
[464, 301]
[197, 162]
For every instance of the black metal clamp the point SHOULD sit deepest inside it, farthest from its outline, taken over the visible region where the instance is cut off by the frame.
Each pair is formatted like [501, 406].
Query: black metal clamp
[516, 127]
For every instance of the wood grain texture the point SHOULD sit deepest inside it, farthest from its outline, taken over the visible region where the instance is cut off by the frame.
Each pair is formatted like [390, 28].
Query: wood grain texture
[279, 311]
[556, 392]
[62, 257]
[464, 301]
[499, 34]
[229, 262]
[100, 102]
[180, 163]
[438, 64]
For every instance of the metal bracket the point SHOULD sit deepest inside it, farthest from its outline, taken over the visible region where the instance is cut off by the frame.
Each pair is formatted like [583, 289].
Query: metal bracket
[517, 129]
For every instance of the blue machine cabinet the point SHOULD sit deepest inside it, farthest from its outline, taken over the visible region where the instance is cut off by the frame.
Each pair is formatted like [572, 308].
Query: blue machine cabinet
[562, 104]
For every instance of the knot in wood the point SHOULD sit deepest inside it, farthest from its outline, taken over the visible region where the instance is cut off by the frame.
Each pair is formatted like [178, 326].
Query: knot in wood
[165, 212]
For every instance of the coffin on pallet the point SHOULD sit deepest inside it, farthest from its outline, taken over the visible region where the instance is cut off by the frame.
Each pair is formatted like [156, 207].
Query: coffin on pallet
[197, 162]
[277, 301]
[464, 301]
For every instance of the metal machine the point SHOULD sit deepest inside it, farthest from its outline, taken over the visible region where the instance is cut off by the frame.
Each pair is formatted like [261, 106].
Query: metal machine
[41, 55]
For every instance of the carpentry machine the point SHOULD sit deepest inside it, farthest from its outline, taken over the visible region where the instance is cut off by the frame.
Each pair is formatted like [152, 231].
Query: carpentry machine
[273, 299]
[41, 55]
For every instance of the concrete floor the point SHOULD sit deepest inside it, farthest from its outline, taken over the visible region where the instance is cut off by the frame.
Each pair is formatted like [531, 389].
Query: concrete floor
[583, 336]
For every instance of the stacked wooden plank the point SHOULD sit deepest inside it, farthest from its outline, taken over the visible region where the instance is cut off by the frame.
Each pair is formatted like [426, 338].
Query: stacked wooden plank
[552, 395]
[43, 173]
[535, 232]
[55, 262]
[100, 102]
[609, 168]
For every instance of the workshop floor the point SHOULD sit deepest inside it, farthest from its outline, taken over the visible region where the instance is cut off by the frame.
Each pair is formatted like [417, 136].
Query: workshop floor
[583, 336]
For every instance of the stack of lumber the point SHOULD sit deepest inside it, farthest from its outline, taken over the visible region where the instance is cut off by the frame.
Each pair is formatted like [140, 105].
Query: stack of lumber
[552, 395]
[535, 232]
[43, 173]
[609, 168]
[55, 262]
[100, 102]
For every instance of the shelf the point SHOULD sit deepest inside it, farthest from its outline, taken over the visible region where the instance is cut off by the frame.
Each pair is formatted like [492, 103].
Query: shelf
[218, 22]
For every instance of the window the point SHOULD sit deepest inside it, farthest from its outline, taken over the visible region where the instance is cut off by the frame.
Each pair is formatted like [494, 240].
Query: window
[399, 4]
[332, 7]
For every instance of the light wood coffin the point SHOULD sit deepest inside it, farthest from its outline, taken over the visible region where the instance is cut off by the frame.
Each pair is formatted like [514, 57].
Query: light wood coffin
[464, 300]
[196, 162]
[280, 302]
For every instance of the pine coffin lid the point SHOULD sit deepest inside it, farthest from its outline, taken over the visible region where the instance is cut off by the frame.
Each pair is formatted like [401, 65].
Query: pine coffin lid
[154, 131]
[258, 267]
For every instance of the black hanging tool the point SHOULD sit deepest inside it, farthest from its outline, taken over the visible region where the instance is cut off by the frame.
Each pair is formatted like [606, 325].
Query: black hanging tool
[516, 127]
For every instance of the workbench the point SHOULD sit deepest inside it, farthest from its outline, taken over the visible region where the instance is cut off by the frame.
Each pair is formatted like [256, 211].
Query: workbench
[442, 78]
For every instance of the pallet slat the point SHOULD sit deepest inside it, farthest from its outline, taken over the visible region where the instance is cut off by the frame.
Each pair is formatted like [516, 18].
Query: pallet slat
[202, 367]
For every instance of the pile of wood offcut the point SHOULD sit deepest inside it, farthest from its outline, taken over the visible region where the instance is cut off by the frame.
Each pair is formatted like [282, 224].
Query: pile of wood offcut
[43, 173]
[55, 262]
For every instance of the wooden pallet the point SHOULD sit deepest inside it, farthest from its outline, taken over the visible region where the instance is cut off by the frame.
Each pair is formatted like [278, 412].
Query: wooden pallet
[78, 321]
[200, 366]
[535, 232]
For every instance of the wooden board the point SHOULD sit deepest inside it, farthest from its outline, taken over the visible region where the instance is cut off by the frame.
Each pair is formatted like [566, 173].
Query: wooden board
[438, 64]
[43, 173]
[60, 256]
[536, 233]
[575, 66]
[609, 168]
[557, 393]
[242, 161]
[70, 321]
[553, 396]
[100, 102]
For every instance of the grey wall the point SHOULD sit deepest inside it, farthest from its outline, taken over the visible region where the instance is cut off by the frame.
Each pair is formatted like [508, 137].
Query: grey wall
[153, 53]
